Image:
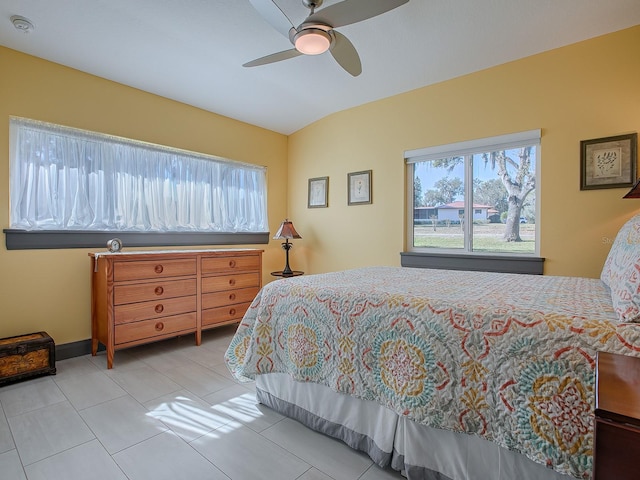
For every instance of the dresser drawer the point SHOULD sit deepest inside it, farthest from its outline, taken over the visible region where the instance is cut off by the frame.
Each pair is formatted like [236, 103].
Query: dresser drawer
[616, 450]
[153, 291]
[230, 264]
[133, 312]
[230, 297]
[144, 269]
[212, 316]
[166, 326]
[228, 282]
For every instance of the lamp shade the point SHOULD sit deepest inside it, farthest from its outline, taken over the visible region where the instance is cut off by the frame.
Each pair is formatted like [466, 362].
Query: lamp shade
[634, 192]
[286, 230]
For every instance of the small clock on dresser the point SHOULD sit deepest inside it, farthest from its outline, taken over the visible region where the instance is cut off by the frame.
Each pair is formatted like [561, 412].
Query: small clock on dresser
[114, 245]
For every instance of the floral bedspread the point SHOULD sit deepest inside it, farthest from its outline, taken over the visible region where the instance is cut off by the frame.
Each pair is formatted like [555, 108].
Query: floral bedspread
[507, 357]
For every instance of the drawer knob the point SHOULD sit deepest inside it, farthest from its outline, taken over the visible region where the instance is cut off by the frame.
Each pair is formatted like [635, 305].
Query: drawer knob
[232, 296]
[232, 281]
[159, 290]
[159, 308]
[159, 326]
[158, 269]
[232, 263]
[232, 311]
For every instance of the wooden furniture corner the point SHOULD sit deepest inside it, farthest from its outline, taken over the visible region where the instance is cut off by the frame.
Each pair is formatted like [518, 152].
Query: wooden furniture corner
[617, 417]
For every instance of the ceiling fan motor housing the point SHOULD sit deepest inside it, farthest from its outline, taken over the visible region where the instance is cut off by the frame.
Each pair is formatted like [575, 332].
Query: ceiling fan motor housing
[312, 4]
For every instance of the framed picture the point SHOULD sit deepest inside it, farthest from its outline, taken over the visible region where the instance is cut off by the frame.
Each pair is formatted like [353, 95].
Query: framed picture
[318, 192]
[608, 162]
[359, 188]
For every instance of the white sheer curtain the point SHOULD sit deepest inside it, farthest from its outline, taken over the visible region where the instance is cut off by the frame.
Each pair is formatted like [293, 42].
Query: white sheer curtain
[67, 179]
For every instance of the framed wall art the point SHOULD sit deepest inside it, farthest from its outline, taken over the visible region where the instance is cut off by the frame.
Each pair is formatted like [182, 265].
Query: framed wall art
[359, 188]
[318, 192]
[608, 162]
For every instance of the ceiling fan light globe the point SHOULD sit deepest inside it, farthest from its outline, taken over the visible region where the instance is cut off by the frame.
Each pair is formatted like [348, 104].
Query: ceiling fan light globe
[312, 41]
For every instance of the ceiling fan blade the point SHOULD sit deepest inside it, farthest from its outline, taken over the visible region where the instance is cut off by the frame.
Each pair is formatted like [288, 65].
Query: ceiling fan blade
[345, 54]
[353, 11]
[274, 57]
[272, 14]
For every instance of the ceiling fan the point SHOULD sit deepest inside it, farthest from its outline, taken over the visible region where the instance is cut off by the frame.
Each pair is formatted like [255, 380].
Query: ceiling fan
[317, 34]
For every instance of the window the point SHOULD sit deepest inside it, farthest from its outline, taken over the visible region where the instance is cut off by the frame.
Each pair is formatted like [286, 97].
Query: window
[64, 179]
[475, 197]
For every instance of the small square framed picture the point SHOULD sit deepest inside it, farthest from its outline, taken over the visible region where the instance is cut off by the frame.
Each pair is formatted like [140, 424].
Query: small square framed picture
[318, 192]
[359, 188]
[608, 162]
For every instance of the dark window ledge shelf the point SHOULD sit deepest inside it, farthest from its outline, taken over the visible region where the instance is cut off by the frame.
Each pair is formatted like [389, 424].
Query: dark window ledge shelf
[482, 263]
[52, 239]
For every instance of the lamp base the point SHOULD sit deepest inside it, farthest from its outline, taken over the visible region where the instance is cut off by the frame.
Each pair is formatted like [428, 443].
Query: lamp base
[294, 273]
[287, 246]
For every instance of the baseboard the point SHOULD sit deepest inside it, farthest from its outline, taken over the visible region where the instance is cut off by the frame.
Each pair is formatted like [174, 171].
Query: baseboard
[75, 349]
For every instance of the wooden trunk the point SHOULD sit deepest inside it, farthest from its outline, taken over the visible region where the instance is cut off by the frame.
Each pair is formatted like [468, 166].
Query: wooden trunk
[26, 356]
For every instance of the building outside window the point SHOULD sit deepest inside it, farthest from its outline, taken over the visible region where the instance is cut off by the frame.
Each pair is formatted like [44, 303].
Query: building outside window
[476, 196]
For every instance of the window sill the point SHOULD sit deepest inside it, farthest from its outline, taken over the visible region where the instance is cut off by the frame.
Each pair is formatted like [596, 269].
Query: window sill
[473, 262]
[52, 239]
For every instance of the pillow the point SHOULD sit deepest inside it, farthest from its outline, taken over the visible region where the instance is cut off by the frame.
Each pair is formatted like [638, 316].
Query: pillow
[621, 271]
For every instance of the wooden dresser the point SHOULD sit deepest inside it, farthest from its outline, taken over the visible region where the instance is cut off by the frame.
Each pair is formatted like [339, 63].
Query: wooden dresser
[617, 423]
[141, 297]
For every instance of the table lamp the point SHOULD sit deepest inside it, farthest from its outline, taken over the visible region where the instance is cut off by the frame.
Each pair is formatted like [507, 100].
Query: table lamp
[286, 231]
[634, 192]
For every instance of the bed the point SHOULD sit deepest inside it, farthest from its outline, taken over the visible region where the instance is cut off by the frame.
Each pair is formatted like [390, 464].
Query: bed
[445, 374]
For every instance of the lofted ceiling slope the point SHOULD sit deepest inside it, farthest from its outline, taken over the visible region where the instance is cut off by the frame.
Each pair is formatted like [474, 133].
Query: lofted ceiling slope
[192, 51]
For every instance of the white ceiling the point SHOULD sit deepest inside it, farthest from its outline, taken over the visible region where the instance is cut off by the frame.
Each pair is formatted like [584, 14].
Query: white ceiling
[193, 50]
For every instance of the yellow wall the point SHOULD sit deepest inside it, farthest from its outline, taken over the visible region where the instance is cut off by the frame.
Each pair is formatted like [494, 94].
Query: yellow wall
[50, 289]
[582, 91]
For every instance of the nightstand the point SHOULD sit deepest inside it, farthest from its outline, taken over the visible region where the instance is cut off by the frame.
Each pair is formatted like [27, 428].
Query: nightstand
[617, 422]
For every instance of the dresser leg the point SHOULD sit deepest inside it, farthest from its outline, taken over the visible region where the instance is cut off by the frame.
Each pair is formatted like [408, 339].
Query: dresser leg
[94, 347]
[109, 358]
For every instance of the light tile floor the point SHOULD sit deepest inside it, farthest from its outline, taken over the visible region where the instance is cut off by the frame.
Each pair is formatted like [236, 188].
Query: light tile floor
[168, 410]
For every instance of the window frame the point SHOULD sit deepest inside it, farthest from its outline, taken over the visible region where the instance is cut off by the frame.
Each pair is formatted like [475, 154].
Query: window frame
[20, 239]
[465, 258]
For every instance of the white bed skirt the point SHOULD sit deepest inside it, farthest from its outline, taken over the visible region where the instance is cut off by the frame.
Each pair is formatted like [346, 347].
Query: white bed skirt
[418, 451]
